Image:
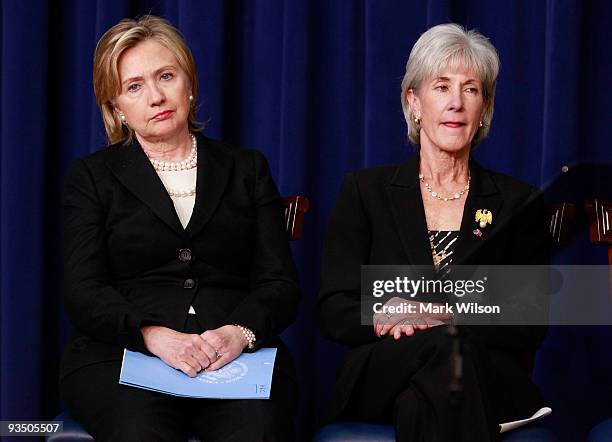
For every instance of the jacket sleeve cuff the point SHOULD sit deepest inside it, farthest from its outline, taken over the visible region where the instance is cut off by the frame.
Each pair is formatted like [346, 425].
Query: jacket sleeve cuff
[133, 338]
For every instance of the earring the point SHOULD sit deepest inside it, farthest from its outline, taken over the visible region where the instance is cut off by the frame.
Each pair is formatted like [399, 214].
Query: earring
[191, 98]
[122, 118]
[481, 125]
[417, 121]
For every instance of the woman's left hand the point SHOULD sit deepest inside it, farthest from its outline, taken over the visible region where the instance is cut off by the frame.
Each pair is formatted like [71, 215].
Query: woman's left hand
[228, 341]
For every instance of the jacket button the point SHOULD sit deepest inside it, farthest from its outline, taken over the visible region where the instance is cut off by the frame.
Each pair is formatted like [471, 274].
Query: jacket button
[184, 255]
[189, 284]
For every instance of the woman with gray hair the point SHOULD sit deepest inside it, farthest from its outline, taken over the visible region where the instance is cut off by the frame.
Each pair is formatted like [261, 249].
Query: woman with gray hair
[440, 209]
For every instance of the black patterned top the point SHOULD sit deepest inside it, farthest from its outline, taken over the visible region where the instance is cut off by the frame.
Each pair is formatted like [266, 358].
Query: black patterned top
[442, 243]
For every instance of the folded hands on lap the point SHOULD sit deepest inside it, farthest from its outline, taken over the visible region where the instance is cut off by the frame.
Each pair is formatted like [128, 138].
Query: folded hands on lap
[398, 324]
[192, 353]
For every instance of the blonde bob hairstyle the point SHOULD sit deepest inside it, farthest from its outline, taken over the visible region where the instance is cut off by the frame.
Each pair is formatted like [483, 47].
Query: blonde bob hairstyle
[106, 81]
[448, 46]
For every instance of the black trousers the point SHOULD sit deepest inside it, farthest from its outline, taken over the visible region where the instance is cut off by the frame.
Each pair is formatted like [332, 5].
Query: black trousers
[113, 412]
[406, 383]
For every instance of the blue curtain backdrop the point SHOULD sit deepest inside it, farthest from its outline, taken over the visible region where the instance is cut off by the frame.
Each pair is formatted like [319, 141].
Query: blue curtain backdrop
[314, 84]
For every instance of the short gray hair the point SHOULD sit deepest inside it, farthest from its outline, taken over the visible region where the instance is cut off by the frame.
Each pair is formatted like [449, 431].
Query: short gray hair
[444, 45]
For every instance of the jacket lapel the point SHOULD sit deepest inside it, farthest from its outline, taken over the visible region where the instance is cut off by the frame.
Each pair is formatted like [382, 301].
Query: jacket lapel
[134, 170]
[408, 213]
[214, 169]
[483, 194]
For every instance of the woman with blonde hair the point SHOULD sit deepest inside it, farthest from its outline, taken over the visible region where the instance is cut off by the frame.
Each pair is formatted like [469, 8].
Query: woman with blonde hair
[175, 246]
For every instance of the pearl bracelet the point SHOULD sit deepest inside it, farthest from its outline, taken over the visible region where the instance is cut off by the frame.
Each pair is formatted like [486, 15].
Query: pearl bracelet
[249, 335]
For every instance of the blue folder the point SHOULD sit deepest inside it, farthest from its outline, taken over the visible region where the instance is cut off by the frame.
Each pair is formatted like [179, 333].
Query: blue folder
[247, 377]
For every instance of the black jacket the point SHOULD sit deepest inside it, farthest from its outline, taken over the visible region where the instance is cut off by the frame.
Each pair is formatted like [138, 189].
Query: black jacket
[129, 262]
[379, 219]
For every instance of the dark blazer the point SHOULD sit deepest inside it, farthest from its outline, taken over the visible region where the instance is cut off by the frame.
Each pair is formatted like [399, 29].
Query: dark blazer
[129, 262]
[379, 219]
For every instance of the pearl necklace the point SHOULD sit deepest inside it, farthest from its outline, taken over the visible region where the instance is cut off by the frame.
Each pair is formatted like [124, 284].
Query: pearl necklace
[188, 163]
[181, 193]
[435, 194]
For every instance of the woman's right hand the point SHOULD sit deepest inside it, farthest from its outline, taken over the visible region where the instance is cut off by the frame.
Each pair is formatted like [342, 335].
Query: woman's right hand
[409, 329]
[186, 352]
[397, 324]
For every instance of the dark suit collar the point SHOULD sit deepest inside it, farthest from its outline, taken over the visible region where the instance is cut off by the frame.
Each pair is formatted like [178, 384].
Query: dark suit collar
[134, 170]
[408, 211]
[407, 173]
[214, 169]
[483, 194]
[409, 214]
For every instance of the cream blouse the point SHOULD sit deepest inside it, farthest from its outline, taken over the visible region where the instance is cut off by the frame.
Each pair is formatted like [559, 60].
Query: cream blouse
[176, 182]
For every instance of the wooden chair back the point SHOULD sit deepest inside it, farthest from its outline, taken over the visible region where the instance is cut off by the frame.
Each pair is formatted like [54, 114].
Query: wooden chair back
[562, 221]
[599, 213]
[296, 207]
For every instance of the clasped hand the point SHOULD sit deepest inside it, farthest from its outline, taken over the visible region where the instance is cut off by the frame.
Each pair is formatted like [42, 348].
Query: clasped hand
[192, 353]
[397, 324]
